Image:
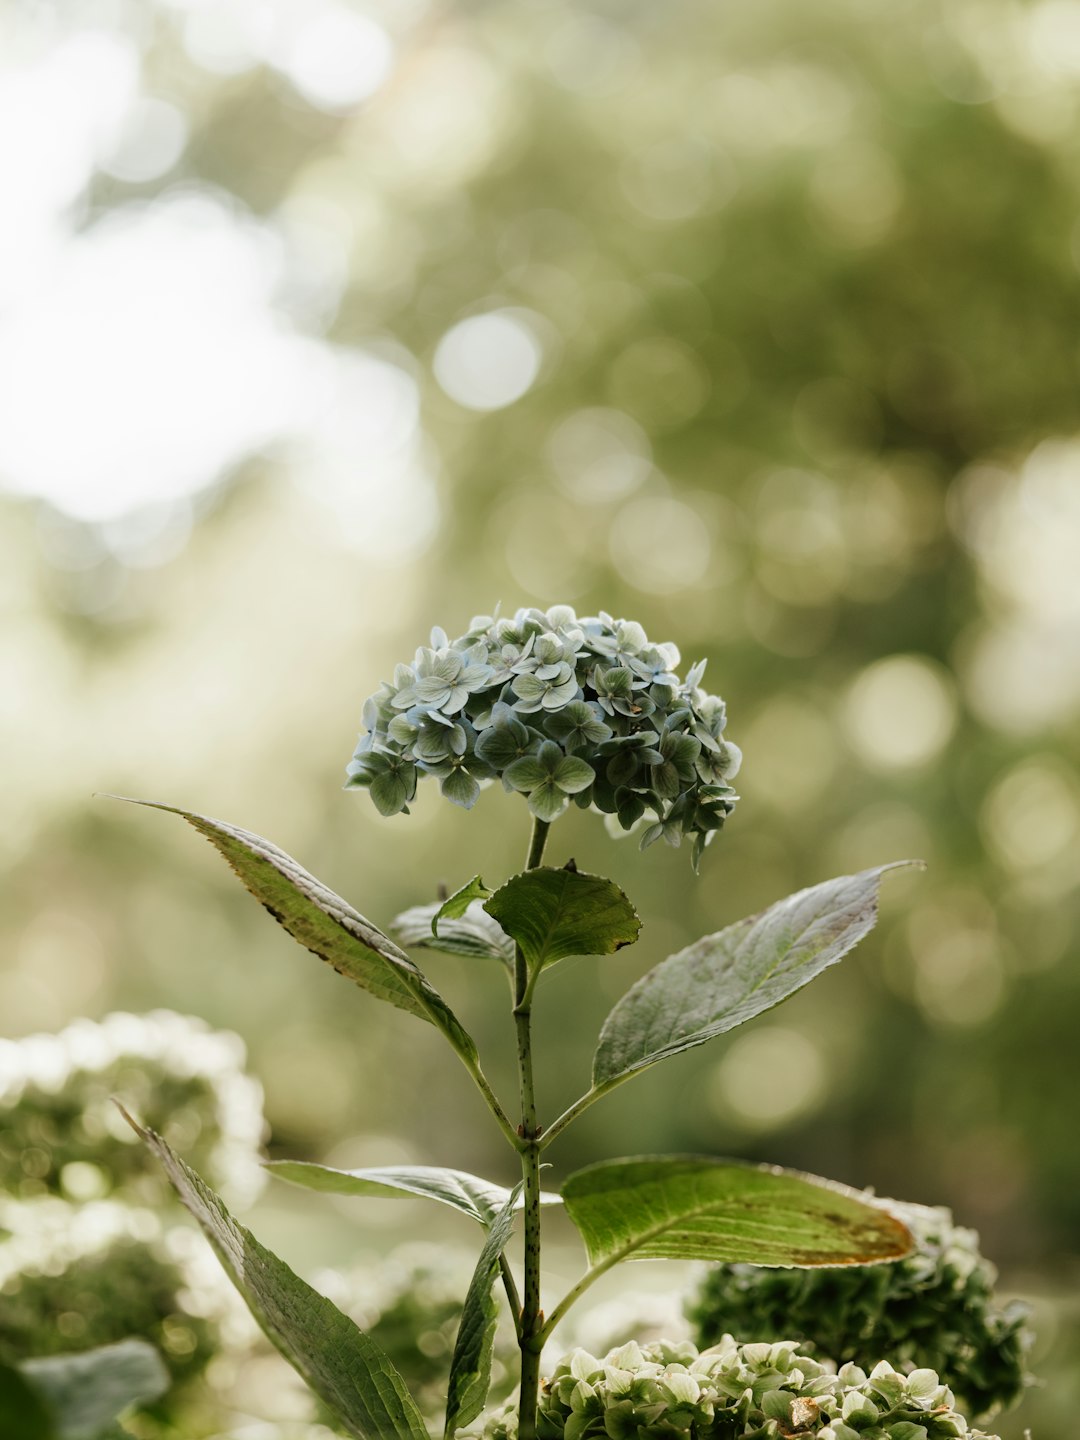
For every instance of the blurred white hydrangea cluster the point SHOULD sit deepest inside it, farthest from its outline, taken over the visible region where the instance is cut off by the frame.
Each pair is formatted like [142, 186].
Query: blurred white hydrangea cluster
[764, 1391]
[558, 708]
[89, 1249]
[61, 1134]
[76, 1276]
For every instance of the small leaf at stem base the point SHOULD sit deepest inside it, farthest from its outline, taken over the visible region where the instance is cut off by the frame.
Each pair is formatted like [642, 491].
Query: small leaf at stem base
[553, 914]
[455, 905]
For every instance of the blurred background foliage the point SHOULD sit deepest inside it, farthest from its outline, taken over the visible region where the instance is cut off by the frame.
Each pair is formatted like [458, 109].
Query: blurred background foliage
[322, 322]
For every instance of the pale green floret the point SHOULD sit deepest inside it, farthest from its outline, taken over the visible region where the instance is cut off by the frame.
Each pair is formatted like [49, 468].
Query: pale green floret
[549, 778]
[767, 1392]
[558, 708]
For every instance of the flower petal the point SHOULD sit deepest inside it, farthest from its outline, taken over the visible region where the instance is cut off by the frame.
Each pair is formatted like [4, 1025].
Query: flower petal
[546, 802]
[572, 775]
[460, 787]
[526, 773]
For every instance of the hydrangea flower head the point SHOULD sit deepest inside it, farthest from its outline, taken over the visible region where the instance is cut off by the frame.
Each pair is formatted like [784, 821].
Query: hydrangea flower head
[559, 709]
[760, 1391]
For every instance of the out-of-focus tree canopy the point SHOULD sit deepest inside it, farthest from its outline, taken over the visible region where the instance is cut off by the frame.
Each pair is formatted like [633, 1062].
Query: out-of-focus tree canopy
[321, 323]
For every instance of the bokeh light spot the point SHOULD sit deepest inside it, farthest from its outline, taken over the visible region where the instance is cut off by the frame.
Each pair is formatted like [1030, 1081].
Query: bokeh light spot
[768, 1077]
[1054, 36]
[226, 39]
[364, 461]
[1032, 816]
[959, 978]
[151, 142]
[149, 363]
[338, 59]
[599, 455]
[901, 712]
[1020, 677]
[958, 970]
[488, 361]
[660, 545]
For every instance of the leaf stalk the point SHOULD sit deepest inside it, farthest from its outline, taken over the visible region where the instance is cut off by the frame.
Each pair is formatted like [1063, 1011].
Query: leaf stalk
[570, 1114]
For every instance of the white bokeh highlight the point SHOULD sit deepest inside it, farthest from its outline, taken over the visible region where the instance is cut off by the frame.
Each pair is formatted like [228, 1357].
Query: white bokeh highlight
[488, 361]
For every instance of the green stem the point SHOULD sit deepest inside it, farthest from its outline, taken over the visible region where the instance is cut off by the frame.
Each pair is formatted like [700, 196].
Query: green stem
[538, 841]
[530, 1328]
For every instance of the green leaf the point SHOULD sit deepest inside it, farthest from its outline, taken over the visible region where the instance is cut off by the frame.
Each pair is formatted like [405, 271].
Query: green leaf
[555, 913]
[344, 1367]
[23, 1412]
[474, 934]
[327, 925]
[479, 1199]
[455, 907]
[725, 979]
[470, 1367]
[86, 1392]
[697, 1208]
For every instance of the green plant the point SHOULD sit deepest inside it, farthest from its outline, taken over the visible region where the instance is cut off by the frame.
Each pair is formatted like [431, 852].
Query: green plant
[763, 1391]
[410, 1305]
[933, 1310]
[557, 709]
[78, 1397]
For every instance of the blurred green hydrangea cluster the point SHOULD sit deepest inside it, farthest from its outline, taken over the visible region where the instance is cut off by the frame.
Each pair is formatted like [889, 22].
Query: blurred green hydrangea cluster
[60, 1133]
[558, 708]
[760, 1390]
[935, 1309]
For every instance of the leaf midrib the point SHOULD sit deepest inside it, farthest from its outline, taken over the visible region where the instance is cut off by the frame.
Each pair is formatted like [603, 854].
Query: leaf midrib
[542, 954]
